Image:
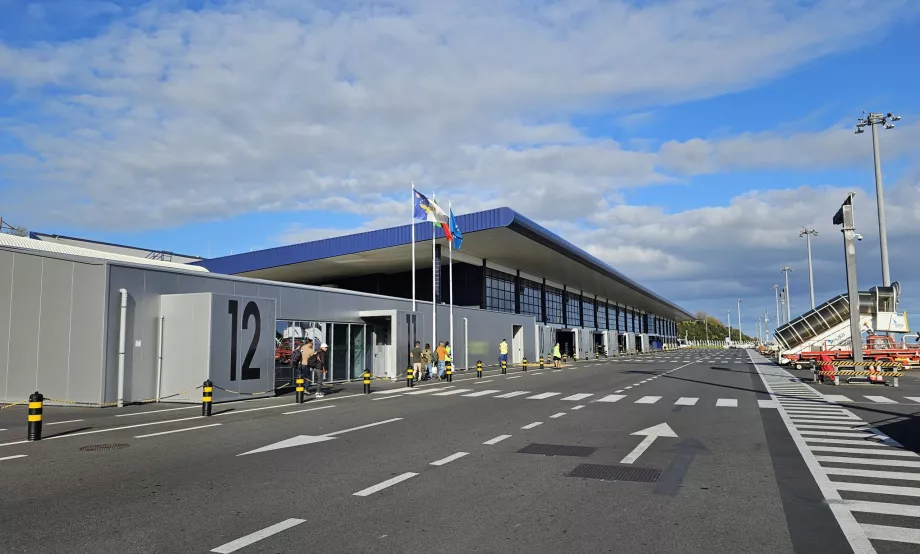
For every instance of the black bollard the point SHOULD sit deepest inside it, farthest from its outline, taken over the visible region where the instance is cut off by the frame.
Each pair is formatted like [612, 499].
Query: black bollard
[504, 367]
[367, 381]
[207, 389]
[524, 364]
[299, 390]
[35, 416]
[449, 369]
[410, 381]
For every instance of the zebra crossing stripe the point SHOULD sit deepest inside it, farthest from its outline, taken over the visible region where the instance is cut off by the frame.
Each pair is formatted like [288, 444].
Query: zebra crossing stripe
[611, 398]
[543, 395]
[513, 394]
[576, 397]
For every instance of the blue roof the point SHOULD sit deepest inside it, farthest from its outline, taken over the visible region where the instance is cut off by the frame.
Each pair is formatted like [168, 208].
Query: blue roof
[398, 236]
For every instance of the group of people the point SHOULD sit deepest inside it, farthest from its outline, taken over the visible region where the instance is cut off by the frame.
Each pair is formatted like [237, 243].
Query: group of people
[313, 360]
[428, 364]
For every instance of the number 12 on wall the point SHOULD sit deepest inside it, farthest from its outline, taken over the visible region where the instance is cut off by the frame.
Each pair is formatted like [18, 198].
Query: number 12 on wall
[251, 311]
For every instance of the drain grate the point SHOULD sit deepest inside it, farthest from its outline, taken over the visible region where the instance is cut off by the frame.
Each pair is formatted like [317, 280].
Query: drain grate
[617, 473]
[103, 447]
[557, 450]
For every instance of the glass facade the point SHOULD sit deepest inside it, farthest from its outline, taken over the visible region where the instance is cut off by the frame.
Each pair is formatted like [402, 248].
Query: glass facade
[531, 299]
[621, 319]
[553, 305]
[572, 310]
[346, 348]
[500, 291]
[601, 315]
[587, 313]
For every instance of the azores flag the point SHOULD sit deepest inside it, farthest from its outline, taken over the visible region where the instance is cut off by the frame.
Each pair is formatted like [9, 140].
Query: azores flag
[455, 230]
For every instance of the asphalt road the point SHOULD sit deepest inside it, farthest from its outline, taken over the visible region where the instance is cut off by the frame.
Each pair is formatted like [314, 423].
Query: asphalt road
[689, 451]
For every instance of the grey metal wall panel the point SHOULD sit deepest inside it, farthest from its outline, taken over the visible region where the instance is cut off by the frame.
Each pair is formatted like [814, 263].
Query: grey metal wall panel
[133, 280]
[255, 332]
[7, 261]
[54, 357]
[87, 330]
[186, 338]
[25, 330]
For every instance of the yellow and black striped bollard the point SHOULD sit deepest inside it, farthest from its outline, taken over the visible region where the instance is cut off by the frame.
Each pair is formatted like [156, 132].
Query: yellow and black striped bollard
[410, 378]
[479, 369]
[541, 362]
[597, 355]
[504, 367]
[207, 389]
[565, 358]
[299, 390]
[367, 381]
[524, 364]
[35, 416]
[449, 369]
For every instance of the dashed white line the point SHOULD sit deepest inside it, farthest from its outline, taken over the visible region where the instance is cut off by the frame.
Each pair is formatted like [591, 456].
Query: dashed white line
[514, 377]
[881, 399]
[580, 396]
[450, 458]
[233, 546]
[686, 401]
[388, 483]
[311, 409]
[580, 406]
[63, 422]
[532, 425]
[478, 382]
[177, 431]
[513, 394]
[450, 392]
[611, 398]
[497, 439]
[543, 395]
[648, 400]
[13, 457]
[554, 416]
[727, 403]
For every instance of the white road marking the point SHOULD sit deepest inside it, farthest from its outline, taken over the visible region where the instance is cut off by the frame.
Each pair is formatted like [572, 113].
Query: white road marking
[876, 489]
[611, 398]
[871, 451]
[913, 398]
[284, 405]
[119, 428]
[554, 416]
[627, 388]
[514, 377]
[389, 397]
[177, 431]
[13, 457]
[900, 475]
[543, 395]
[2, 429]
[478, 382]
[392, 391]
[343, 431]
[450, 392]
[648, 400]
[513, 394]
[686, 401]
[881, 446]
[618, 391]
[580, 406]
[233, 546]
[13, 443]
[532, 425]
[497, 439]
[836, 433]
[768, 404]
[423, 391]
[895, 534]
[880, 399]
[883, 508]
[556, 370]
[837, 398]
[483, 392]
[579, 396]
[158, 411]
[450, 458]
[311, 409]
[388, 483]
[833, 427]
[63, 422]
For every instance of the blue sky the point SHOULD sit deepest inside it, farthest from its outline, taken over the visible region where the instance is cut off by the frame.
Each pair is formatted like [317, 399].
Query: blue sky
[685, 151]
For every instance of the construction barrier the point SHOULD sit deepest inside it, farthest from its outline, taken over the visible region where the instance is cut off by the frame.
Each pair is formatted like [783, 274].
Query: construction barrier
[835, 375]
[850, 363]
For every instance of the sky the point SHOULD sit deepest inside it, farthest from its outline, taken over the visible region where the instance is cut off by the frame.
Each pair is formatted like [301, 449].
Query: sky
[685, 142]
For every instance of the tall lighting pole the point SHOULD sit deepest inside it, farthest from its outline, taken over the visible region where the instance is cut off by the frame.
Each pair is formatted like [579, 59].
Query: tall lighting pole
[728, 318]
[739, 320]
[786, 269]
[808, 233]
[779, 320]
[766, 326]
[873, 120]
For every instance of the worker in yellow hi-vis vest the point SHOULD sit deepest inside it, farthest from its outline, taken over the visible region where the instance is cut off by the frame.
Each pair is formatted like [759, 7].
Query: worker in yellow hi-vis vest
[557, 356]
[503, 352]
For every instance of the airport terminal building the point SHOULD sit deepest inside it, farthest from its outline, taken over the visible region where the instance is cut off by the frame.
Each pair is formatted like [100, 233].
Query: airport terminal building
[95, 322]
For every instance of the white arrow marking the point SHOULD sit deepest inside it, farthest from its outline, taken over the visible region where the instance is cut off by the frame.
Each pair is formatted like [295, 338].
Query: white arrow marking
[310, 439]
[652, 433]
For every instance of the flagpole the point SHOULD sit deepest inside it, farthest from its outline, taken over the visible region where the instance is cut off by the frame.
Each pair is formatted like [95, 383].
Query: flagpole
[412, 224]
[450, 248]
[434, 298]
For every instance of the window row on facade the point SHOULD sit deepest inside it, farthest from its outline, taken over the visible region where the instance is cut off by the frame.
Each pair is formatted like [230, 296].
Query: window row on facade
[550, 305]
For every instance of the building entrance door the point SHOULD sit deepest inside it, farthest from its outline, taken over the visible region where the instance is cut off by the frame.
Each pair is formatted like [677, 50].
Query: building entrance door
[381, 340]
[517, 343]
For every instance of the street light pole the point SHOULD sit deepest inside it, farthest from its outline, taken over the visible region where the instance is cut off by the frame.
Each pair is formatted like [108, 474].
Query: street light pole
[844, 217]
[779, 320]
[739, 320]
[808, 233]
[766, 325]
[728, 318]
[786, 269]
[873, 120]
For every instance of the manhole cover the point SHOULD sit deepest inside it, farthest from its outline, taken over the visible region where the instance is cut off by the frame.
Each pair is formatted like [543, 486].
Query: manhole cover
[617, 473]
[557, 450]
[103, 447]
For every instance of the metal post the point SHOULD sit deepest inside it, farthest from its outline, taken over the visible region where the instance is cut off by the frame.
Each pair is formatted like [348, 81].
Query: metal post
[845, 218]
[122, 330]
[728, 318]
[739, 320]
[786, 269]
[880, 202]
[160, 356]
[766, 325]
[808, 233]
[466, 344]
[779, 320]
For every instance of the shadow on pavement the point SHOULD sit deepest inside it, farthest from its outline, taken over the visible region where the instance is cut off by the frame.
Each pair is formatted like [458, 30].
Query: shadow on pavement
[65, 433]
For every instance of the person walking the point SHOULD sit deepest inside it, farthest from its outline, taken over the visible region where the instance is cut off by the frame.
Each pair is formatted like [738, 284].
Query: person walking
[427, 360]
[306, 350]
[448, 357]
[416, 359]
[318, 364]
[503, 352]
[441, 352]
[557, 356]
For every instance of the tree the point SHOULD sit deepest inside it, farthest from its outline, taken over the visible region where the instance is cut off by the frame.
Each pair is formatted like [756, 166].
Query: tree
[695, 330]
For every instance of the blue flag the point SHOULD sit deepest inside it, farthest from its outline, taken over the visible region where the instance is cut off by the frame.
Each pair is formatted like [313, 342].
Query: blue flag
[455, 230]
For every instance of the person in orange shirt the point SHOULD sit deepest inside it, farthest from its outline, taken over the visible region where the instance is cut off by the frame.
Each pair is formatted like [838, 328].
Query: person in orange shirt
[442, 358]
